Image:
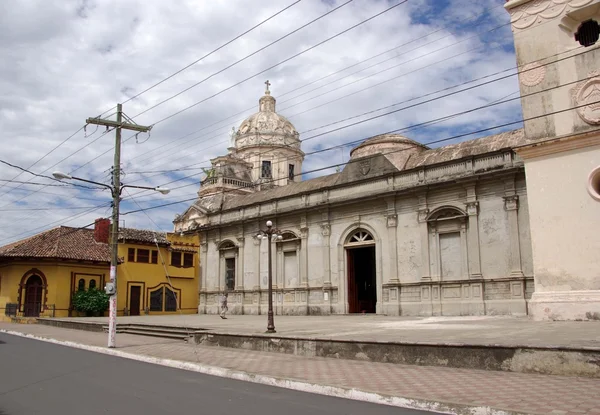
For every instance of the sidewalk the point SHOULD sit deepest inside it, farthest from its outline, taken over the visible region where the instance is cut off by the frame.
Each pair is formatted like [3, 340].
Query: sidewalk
[474, 330]
[448, 390]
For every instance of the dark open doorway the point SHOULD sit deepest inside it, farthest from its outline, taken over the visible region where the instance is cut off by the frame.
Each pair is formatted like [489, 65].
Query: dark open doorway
[135, 295]
[362, 285]
[33, 296]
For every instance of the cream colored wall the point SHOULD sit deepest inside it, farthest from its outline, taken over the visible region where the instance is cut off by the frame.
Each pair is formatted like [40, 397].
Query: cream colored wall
[566, 222]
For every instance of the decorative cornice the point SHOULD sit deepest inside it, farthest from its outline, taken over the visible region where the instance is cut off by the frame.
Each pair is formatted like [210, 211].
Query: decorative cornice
[525, 13]
[558, 145]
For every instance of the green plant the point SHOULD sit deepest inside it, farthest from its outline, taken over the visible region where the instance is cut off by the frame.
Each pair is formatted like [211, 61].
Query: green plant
[92, 302]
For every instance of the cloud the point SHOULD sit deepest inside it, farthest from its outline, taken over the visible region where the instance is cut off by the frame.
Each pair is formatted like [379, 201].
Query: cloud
[66, 61]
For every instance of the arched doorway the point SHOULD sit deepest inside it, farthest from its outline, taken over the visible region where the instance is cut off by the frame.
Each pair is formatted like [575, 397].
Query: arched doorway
[34, 288]
[361, 266]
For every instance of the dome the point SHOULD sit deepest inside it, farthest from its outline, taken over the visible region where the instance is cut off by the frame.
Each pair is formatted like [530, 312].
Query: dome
[266, 127]
[396, 148]
[386, 144]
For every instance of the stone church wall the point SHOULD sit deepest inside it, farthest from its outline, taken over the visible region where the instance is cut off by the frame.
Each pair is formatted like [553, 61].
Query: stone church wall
[476, 263]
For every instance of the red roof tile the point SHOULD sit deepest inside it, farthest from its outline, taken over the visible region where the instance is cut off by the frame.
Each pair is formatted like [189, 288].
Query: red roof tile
[60, 243]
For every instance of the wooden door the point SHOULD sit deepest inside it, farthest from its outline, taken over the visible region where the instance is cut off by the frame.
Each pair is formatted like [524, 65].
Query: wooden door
[352, 294]
[33, 297]
[135, 293]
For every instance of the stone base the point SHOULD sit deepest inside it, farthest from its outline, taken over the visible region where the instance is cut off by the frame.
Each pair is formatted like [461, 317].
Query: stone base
[565, 305]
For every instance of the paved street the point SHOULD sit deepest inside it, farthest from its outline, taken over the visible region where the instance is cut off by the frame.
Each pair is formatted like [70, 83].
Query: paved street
[456, 389]
[39, 377]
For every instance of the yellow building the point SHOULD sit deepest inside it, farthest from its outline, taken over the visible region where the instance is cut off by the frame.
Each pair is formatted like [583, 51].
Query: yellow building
[157, 272]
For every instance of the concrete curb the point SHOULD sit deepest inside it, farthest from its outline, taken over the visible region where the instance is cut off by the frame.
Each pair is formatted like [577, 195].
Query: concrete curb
[333, 391]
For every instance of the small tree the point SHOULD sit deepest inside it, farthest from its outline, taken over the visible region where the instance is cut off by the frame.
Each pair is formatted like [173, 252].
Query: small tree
[92, 302]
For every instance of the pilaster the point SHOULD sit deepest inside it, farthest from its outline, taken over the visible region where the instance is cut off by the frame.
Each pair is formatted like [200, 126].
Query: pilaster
[424, 234]
[511, 205]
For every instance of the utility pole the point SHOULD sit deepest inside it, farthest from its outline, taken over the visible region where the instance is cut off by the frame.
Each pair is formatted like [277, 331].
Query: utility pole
[116, 194]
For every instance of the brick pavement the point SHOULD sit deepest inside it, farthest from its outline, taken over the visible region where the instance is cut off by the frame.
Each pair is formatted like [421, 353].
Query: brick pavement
[512, 392]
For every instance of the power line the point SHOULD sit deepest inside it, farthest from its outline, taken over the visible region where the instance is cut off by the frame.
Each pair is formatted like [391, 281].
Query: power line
[212, 52]
[170, 143]
[24, 170]
[394, 151]
[244, 58]
[421, 103]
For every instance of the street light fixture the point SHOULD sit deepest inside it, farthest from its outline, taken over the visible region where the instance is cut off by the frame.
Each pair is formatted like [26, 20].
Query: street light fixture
[111, 287]
[271, 235]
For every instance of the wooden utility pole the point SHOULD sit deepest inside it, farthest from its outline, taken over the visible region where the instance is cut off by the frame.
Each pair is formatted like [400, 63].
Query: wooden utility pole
[116, 195]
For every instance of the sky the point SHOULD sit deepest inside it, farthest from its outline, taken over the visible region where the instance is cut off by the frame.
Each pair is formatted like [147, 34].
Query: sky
[64, 62]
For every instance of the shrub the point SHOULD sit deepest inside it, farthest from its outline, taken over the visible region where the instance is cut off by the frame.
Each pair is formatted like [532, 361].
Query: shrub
[92, 302]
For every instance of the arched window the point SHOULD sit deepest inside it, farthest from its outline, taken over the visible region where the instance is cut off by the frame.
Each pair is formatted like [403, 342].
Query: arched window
[360, 237]
[81, 284]
[92, 284]
[164, 298]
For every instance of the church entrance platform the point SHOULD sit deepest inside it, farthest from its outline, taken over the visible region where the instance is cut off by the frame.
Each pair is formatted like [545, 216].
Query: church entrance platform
[490, 343]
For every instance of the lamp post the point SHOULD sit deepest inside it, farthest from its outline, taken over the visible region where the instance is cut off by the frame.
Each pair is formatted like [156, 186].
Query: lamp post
[111, 288]
[271, 235]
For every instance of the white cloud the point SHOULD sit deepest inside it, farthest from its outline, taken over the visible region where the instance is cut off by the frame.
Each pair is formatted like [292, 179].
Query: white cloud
[63, 62]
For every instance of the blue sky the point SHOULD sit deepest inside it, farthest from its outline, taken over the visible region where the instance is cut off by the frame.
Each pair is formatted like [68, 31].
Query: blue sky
[63, 62]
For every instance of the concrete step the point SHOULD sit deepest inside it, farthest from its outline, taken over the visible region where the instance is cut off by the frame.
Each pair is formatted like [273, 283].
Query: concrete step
[163, 335]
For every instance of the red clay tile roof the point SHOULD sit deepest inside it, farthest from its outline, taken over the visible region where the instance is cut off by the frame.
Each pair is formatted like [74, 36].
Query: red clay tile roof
[62, 242]
[142, 235]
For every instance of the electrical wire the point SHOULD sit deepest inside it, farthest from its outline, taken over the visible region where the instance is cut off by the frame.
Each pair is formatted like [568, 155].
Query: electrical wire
[390, 152]
[243, 59]
[424, 102]
[173, 142]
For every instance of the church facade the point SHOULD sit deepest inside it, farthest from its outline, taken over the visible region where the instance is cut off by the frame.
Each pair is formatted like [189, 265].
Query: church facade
[403, 229]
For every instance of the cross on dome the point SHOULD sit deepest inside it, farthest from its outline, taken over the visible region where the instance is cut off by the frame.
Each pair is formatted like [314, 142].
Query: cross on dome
[268, 84]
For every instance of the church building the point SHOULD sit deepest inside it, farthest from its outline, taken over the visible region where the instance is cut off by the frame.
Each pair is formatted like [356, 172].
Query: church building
[505, 224]
[402, 230]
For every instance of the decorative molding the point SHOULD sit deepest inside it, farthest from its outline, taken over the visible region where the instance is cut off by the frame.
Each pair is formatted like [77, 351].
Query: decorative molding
[423, 213]
[511, 202]
[586, 96]
[532, 74]
[392, 220]
[559, 145]
[473, 208]
[304, 232]
[524, 14]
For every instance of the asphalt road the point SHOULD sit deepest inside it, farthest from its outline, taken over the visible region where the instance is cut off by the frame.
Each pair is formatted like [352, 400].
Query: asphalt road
[39, 377]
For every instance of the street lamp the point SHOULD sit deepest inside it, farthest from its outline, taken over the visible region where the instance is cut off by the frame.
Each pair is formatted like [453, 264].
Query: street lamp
[271, 235]
[111, 287]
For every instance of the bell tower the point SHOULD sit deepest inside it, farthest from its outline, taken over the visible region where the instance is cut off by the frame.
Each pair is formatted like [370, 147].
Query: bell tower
[558, 56]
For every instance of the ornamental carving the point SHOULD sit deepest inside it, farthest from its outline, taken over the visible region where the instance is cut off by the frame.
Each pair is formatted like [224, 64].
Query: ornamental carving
[365, 166]
[511, 202]
[538, 11]
[325, 229]
[392, 220]
[473, 208]
[532, 74]
[586, 97]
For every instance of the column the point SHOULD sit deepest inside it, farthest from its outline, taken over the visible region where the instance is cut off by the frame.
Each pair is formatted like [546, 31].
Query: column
[511, 207]
[473, 250]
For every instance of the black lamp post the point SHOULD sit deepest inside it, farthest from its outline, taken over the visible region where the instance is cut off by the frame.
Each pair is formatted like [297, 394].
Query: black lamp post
[271, 235]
